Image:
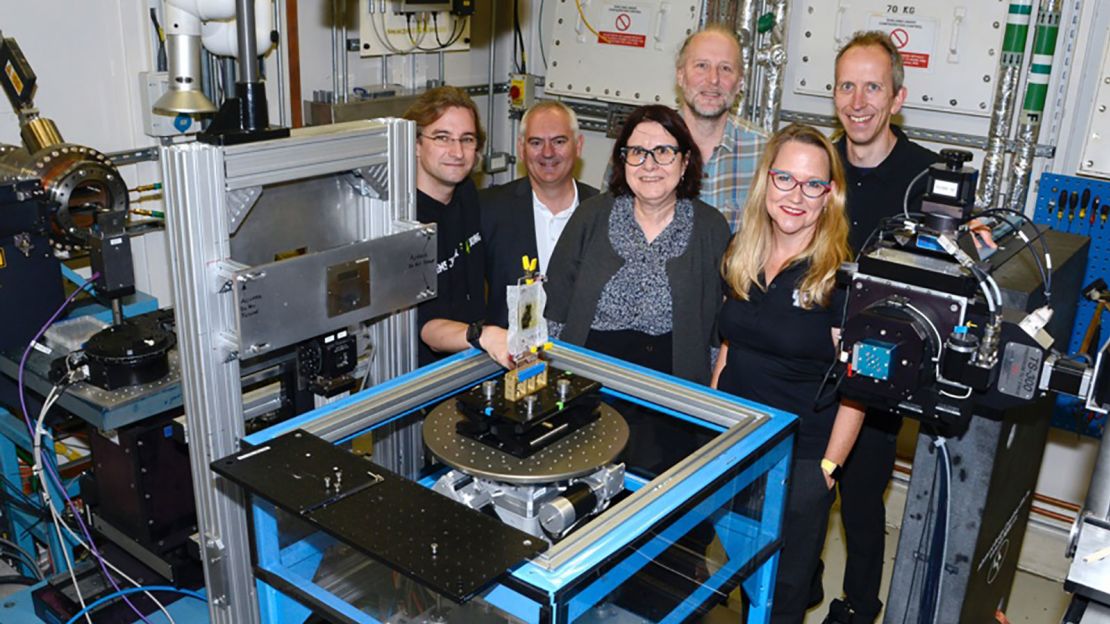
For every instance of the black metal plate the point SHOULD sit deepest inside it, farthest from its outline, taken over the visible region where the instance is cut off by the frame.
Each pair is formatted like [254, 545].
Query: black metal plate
[382, 514]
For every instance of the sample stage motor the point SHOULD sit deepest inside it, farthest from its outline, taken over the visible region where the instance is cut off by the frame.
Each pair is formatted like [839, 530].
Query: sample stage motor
[543, 463]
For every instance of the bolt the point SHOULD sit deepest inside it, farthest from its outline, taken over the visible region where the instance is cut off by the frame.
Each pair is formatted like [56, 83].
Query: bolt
[530, 404]
[564, 388]
[435, 548]
[488, 388]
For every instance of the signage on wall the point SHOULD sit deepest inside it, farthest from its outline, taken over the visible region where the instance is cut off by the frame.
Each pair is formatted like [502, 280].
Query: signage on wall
[624, 25]
[915, 37]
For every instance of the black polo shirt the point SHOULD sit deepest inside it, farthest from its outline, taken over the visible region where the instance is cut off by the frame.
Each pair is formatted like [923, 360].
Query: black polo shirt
[877, 192]
[460, 266]
[778, 353]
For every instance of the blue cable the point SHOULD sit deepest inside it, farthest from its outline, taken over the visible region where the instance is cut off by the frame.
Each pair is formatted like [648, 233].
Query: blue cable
[132, 590]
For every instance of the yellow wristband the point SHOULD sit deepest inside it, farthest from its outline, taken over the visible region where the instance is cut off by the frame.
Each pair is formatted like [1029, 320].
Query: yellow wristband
[830, 467]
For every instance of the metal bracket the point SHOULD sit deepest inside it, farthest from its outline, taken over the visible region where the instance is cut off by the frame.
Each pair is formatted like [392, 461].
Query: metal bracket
[217, 581]
[132, 156]
[374, 177]
[227, 273]
[239, 204]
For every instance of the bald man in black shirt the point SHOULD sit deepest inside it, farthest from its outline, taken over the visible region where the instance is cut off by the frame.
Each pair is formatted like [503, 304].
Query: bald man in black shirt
[880, 163]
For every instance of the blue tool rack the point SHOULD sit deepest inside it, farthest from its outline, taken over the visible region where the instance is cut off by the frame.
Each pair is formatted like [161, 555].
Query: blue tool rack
[743, 462]
[1070, 413]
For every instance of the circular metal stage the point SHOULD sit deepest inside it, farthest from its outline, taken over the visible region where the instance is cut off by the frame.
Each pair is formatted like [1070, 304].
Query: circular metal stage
[577, 454]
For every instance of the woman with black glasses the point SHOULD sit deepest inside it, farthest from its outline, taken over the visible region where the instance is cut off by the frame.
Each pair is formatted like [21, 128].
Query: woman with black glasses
[635, 273]
[779, 326]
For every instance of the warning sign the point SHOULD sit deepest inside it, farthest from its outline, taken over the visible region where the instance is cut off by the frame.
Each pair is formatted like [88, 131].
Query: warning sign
[623, 24]
[915, 37]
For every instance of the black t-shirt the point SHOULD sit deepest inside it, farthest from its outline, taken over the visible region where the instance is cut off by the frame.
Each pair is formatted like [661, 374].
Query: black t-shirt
[878, 192]
[778, 354]
[460, 266]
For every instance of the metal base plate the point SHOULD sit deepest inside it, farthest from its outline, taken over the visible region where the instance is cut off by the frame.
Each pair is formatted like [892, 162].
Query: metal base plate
[454, 550]
[577, 454]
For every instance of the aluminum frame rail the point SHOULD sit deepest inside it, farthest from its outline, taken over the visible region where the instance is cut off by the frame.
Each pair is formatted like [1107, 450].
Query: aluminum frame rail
[200, 182]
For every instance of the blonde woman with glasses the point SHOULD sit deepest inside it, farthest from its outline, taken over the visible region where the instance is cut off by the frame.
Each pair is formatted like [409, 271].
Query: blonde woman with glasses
[779, 325]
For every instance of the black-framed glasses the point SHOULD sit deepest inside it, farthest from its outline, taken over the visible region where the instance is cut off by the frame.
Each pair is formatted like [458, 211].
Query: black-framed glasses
[786, 182]
[445, 140]
[661, 154]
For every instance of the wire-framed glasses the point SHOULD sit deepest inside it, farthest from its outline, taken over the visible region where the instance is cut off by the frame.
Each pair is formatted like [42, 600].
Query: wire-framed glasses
[466, 141]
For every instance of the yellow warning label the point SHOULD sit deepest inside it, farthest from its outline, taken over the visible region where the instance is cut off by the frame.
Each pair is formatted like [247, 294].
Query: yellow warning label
[13, 76]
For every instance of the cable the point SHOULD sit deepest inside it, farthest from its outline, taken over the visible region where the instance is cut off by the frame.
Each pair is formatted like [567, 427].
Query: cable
[930, 596]
[435, 30]
[462, 29]
[942, 444]
[42, 467]
[1046, 268]
[161, 35]
[384, 38]
[51, 397]
[518, 39]
[134, 590]
[918, 562]
[909, 187]
[423, 34]
[586, 22]
[51, 471]
[27, 558]
[539, 36]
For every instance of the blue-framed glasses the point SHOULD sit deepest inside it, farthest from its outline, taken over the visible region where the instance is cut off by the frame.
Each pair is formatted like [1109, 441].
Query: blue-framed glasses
[785, 181]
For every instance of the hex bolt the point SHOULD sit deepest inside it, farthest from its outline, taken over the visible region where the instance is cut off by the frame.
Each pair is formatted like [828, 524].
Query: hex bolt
[488, 388]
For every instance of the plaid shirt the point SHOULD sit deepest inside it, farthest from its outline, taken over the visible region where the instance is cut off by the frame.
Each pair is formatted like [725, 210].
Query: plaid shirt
[727, 175]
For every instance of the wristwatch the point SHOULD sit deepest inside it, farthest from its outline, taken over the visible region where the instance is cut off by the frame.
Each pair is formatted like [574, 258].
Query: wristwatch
[474, 334]
[831, 468]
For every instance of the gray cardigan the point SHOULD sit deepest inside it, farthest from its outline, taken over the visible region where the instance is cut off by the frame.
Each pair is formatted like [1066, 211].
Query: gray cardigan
[584, 261]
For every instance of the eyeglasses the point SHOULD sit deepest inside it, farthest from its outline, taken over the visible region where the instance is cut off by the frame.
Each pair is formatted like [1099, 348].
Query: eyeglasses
[661, 154]
[786, 182]
[467, 142]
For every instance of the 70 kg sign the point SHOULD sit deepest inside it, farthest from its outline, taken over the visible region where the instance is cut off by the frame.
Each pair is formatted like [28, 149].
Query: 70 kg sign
[906, 9]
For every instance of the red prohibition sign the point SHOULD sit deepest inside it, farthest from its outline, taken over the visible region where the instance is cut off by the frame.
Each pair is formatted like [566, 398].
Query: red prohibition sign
[624, 22]
[900, 37]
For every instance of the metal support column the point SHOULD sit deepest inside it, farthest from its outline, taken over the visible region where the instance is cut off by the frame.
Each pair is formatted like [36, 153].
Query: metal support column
[205, 314]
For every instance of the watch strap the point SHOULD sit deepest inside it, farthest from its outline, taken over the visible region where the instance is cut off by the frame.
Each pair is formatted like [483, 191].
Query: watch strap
[831, 468]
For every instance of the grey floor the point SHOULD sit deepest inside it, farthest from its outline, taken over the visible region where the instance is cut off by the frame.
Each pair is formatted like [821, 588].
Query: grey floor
[1033, 599]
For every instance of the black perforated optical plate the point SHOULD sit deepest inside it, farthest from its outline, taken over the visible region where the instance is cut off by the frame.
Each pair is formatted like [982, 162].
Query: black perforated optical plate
[454, 550]
[579, 453]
